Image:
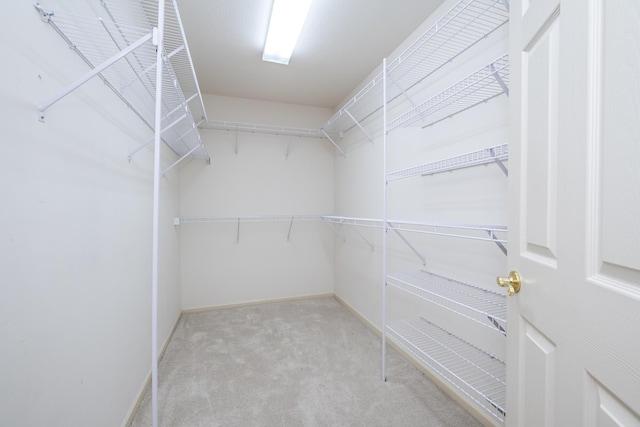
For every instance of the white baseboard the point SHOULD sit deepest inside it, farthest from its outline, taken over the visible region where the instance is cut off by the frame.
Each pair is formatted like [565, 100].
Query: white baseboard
[147, 382]
[255, 302]
[432, 376]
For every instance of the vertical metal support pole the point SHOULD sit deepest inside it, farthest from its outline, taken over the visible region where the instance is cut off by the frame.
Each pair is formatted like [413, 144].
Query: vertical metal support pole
[384, 219]
[156, 216]
[238, 235]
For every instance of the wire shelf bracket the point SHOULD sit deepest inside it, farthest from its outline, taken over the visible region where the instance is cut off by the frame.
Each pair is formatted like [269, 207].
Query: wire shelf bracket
[92, 73]
[333, 142]
[497, 241]
[339, 234]
[359, 125]
[404, 239]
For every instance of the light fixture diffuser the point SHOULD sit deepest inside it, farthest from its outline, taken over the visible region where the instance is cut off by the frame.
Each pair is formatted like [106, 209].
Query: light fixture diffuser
[287, 19]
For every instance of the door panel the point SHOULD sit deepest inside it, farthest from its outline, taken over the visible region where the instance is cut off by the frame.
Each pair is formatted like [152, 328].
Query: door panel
[604, 409]
[540, 98]
[617, 46]
[573, 346]
[538, 378]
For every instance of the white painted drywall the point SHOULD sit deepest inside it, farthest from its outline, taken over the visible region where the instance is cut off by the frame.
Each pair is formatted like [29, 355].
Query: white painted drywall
[75, 240]
[260, 180]
[475, 195]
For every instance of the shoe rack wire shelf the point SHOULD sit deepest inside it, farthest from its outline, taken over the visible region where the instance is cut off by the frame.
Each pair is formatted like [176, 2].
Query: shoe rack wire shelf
[460, 28]
[483, 306]
[115, 39]
[479, 375]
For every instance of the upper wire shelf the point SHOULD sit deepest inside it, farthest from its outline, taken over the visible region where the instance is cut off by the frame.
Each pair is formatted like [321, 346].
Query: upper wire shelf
[260, 128]
[484, 84]
[473, 158]
[481, 305]
[479, 375]
[460, 28]
[113, 38]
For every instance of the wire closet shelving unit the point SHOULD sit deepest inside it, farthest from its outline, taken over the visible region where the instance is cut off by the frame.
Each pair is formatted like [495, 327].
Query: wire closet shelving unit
[115, 38]
[474, 372]
[139, 50]
[459, 29]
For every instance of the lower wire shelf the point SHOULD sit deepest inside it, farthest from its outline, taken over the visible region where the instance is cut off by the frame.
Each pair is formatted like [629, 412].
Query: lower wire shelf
[483, 306]
[476, 373]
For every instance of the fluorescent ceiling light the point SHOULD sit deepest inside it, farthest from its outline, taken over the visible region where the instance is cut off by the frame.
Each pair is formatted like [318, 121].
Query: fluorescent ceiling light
[287, 19]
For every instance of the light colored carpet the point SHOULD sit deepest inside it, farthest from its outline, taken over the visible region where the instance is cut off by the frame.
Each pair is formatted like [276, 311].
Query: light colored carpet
[297, 363]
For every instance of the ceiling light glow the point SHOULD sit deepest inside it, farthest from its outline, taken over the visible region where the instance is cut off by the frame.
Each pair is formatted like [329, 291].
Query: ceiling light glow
[287, 19]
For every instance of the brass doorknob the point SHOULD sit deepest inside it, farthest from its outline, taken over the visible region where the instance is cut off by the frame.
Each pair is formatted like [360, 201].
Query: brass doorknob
[512, 283]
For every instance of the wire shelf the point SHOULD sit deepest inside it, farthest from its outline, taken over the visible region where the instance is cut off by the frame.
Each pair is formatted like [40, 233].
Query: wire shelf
[476, 373]
[260, 128]
[118, 25]
[481, 86]
[253, 218]
[481, 305]
[362, 222]
[474, 158]
[460, 28]
[466, 231]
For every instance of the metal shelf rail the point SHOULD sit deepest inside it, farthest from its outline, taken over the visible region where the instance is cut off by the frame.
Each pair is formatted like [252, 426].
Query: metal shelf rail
[460, 28]
[117, 44]
[497, 154]
[481, 305]
[253, 219]
[222, 125]
[484, 84]
[476, 373]
[464, 231]
[260, 128]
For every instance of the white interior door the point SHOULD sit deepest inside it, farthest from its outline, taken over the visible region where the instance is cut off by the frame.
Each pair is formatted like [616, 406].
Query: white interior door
[573, 355]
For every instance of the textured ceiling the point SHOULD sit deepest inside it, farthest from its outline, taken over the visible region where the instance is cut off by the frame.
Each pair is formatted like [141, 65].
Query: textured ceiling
[340, 44]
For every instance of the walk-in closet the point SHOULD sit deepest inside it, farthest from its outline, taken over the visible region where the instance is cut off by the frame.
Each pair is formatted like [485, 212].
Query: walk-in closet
[423, 216]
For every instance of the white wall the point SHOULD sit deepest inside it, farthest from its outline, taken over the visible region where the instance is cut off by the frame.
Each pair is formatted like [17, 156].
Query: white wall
[75, 240]
[471, 196]
[260, 180]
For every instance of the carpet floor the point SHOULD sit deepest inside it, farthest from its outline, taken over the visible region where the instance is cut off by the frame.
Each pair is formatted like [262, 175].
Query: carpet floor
[306, 362]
